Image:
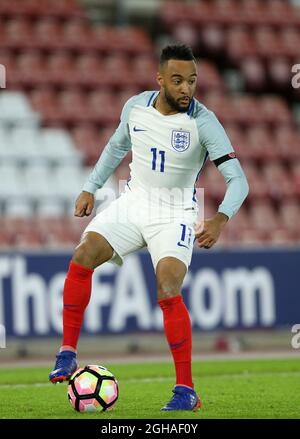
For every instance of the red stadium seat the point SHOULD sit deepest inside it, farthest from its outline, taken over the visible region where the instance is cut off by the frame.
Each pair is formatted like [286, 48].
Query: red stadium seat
[246, 110]
[88, 70]
[6, 242]
[198, 13]
[30, 70]
[172, 13]
[263, 217]
[294, 18]
[72, 106]
[239, 44]
[209, 78]
[76, 226]
[38, 8]
[268, 43]
[117, 72]
[132, 41]
[144, 69]
[290, 37]
[296, 177]
[282, 237]
[274, 110]
[55, 232]
[279, 13]
[239, 222]
[65, 239]
[254, 74]
[101, 97]
[106, 133]
[213, 183]
[280, 185]
[30, 239]
[287, 141]
[22, 233]
[221, 105]
[6, 234]
[77, 35]
[18, 34]
[253, 238]
[289, 214]
[102, 39]
[260, 143]
[226, 12]
[258, 190]
[51, 225]
[126, 40]
[239, 142]
[65, 8]
[44, 101]
[187, 34]
[102, 108]
[251, 169]
[125, 94]
[280, 74]
[60, 69]
[6, 6]
[23, 225]
[2, 30]
[213, 38]
[258, 186]
[28, 8]
[253, 12]
[87, 139]
[48, 34]
[65, 109]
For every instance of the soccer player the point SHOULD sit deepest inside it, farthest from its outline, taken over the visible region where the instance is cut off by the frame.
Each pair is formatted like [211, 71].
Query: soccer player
[171, 135]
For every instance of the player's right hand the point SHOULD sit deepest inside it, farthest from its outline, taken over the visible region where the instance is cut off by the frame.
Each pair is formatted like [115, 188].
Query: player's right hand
[84, 204]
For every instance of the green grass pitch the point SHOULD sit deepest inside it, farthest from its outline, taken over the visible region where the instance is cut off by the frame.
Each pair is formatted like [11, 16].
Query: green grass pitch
[228, 389]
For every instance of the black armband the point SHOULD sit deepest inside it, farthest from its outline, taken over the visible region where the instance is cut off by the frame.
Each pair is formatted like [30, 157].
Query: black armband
[224, 158]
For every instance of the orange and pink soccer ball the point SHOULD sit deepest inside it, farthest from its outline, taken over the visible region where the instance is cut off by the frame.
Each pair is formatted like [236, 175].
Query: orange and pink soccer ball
[93, 388]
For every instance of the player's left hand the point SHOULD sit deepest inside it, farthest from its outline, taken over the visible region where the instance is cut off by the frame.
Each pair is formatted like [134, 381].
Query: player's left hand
[208, 231]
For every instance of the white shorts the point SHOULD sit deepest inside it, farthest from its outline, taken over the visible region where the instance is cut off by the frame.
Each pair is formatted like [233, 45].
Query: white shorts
[129, 224]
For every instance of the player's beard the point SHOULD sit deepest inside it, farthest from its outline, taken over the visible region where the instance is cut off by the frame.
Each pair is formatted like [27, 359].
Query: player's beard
[175, 105]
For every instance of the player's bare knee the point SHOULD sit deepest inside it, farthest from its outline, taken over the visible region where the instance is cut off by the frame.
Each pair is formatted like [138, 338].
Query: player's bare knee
[84, 256]
[169, 278]
[92, 251]
[168, 287]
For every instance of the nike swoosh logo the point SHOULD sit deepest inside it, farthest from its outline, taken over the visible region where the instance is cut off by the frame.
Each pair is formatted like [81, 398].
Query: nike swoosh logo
[177, 345]
[135, 129]
[182, 245]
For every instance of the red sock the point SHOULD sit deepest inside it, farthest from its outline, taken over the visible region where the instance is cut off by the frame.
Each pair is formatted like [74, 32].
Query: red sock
[77, 293]
[178, 331]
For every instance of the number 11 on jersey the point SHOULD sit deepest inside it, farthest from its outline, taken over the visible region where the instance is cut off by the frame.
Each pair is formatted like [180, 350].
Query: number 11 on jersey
[154, 159]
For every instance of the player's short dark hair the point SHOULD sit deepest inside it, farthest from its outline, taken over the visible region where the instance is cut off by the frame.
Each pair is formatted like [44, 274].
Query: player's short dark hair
[176, 51]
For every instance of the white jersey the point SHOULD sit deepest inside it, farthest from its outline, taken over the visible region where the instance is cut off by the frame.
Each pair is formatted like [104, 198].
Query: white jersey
[168, 151]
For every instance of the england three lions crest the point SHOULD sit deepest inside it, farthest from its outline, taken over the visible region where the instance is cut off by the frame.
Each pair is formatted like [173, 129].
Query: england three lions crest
[181, 140]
